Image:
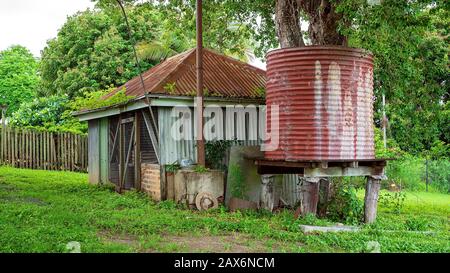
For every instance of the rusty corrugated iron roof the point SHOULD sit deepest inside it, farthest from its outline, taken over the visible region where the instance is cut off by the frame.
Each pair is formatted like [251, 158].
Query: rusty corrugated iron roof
[223, 77]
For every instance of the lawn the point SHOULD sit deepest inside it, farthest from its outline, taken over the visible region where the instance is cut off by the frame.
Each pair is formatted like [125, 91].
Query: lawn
[41, 211]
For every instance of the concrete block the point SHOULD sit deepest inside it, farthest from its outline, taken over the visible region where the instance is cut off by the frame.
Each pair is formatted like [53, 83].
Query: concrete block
[309, 229]
[188, 183]
[243, 176]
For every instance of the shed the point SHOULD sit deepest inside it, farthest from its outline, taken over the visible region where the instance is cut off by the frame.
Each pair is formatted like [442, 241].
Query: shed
[138, 135]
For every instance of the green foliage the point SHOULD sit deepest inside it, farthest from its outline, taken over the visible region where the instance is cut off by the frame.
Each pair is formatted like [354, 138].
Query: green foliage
[227, 32]
[237, 182]
[439, 174]
[417, 224]
[170, 88]
[167, 205]
[261, 91]
[392, 149]
[93, 100]
[215, 151]
[200, 169]
[47, 113]
[92, 50]
[393, 200]
[172, 168]
[411, 66]
[407, 172]
[345, 205]
[439, 150]
[18, 77]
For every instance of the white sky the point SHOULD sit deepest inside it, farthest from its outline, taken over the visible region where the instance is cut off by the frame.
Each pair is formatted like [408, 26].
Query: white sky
[31, 23]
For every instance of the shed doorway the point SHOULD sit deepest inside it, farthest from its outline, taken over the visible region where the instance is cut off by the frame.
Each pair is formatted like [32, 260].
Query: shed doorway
[130, 145]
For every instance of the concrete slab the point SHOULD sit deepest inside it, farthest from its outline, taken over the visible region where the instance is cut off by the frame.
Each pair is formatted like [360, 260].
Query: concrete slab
[309, 229]
[243, 180]
[188, 183]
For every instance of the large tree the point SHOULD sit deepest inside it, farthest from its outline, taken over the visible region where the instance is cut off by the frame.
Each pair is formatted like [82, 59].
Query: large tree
[18, 77]
[92, 51]
[409, 40]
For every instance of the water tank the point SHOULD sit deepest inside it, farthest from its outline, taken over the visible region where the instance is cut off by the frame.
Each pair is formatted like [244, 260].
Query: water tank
[325, 100]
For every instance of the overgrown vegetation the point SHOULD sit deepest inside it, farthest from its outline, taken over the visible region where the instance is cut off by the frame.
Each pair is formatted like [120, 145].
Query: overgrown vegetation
[98, 99]
[215, 152]
[345, 206]
[237, 182]
[173, 167]
[50, 113]
[41, 211]
[54, 113]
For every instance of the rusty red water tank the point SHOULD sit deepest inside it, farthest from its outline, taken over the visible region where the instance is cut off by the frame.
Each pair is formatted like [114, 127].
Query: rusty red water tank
[325, 100]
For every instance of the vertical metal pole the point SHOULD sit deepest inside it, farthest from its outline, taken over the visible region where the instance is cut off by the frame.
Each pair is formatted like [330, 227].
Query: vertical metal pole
[426, 172]
[200, 140]
[384, 122]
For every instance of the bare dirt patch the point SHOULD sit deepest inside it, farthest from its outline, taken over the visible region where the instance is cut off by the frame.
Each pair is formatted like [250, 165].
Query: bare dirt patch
[120, 239]
[234, 243]
[189, 243]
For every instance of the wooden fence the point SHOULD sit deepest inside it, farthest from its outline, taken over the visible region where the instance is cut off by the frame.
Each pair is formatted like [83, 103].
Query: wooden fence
[43, 150]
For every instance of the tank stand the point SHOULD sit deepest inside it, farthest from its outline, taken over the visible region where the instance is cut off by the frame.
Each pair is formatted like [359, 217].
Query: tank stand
[309, 195]
[312, 172]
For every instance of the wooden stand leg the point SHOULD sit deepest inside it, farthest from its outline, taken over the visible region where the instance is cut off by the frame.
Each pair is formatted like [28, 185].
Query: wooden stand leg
[267, 198]
[371, 199]
[324, 196]
[309, 195]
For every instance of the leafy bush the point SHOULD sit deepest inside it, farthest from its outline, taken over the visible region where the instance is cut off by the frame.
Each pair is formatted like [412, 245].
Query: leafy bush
[215, 152]
[344, 204]
[47, 113]
[18, 77]
[439, 175]
[54, 113]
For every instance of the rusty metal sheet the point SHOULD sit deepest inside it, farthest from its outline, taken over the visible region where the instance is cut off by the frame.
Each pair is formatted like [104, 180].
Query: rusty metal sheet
[325, 96]
[223, 77]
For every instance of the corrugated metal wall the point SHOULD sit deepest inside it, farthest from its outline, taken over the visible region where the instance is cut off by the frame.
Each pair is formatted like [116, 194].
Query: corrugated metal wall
[98, 150]
[176, 150]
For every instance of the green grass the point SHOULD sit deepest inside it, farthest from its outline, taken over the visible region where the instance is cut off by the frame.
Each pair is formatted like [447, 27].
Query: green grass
[41, 211]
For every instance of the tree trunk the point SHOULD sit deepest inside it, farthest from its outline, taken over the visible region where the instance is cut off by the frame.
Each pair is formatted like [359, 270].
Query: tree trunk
[323, 22]
[287, 23]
